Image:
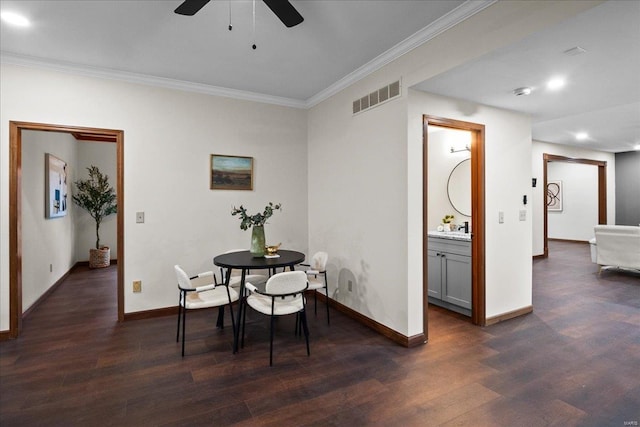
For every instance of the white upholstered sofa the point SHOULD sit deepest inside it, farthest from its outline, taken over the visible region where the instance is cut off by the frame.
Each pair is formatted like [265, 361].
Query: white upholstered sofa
[616, 246]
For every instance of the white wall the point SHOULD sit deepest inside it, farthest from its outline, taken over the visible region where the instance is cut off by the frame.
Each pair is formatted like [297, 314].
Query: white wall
[365, 188]
[579, 201]
[104, 156]
[507, 157]
[168, 138]
[538, 149]
[46, 242]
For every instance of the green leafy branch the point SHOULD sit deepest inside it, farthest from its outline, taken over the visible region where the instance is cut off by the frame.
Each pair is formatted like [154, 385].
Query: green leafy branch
[258, 219]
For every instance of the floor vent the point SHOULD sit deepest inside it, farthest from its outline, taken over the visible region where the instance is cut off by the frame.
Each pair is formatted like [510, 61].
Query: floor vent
[377, 97]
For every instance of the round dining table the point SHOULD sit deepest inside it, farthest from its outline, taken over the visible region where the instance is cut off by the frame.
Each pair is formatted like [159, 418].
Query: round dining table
[245, 261]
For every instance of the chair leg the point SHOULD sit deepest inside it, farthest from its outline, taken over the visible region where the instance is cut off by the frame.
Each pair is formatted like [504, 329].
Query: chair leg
[271, 341]
[315, 301]
[305, 328]
[233, 321]
[179, 313]
[243, 316]
[326, 292]
[184, 321]
[220, 321]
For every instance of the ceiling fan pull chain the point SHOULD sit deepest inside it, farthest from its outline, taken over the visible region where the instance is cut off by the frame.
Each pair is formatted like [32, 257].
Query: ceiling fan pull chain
[230, 25]
[254, 25]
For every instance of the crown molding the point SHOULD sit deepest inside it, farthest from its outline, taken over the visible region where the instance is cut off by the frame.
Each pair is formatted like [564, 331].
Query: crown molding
[442, 24]
[72, 68]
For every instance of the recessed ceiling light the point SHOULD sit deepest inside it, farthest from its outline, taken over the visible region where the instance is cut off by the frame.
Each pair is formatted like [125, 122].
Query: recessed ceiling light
[555, 83]
[522, 91]
[581, 136]
[637, 147]
[15, 19]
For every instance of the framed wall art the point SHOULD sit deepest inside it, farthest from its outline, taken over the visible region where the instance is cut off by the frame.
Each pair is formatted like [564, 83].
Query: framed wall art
[231, 172]
[554, 196]
[55, 177]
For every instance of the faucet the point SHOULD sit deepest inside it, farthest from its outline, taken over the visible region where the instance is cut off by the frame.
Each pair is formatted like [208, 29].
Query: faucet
[464, 227]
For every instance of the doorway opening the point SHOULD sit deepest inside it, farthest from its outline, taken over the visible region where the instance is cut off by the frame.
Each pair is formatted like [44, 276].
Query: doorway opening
[602, 189]
[15, 208]
[476, 150]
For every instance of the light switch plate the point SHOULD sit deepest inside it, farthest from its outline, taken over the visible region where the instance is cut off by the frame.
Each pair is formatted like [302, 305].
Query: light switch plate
[140, 217]
[500, 217]
[523, 215]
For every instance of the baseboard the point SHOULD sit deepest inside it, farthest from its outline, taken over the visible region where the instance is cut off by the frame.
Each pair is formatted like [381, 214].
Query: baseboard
[383, 330]
[5, 335]
[47, 293]
[86, 263]
[510, 315]
[150, 314]
[567, 240]
[541, 256]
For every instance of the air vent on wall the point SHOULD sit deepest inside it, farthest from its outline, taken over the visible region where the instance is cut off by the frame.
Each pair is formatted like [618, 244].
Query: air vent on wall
[377, 97]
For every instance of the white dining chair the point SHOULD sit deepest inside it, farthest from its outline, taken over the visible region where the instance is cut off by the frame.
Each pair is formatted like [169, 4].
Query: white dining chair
[317, 276]
[202, 291]
[283, 294]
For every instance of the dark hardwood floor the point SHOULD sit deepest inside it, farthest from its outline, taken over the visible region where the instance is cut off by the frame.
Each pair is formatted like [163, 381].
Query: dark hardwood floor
[574, 361]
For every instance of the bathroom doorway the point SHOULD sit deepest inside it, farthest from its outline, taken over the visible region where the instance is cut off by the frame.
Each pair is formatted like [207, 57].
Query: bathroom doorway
[475, 153]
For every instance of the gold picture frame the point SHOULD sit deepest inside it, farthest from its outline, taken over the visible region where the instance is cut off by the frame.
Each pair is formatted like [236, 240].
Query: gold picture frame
[231, 172]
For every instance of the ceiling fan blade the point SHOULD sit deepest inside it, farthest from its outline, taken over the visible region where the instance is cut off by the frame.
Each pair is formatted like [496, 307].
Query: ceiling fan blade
[285, 11]
[190, 7]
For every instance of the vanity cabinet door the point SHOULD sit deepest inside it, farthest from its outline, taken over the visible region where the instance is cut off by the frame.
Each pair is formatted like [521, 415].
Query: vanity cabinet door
[434, 277]
[456, 279]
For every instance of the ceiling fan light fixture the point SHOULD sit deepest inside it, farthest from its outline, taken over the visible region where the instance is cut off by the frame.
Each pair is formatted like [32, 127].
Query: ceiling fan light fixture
[522, 91]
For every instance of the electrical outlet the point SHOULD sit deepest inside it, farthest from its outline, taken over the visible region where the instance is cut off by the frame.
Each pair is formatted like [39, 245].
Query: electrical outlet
[523, 215]
[350, 285]
[140, 217]
[137, 286]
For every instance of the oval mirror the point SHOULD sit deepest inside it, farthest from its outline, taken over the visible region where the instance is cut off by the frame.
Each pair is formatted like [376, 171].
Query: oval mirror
[459, 187]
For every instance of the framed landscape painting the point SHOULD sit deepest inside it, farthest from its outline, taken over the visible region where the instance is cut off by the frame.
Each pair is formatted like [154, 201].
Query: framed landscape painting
[231, 172]
[55, 176]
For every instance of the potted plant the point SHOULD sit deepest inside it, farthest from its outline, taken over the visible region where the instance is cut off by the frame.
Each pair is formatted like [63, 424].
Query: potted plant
[447, 222]
[257, 222]
[97, 197]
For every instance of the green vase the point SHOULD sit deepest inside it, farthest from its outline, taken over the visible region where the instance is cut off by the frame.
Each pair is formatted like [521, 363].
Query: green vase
[257, 241]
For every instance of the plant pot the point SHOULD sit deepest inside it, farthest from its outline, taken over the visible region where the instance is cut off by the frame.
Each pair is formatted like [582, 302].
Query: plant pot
[257, 241]
[100, 258]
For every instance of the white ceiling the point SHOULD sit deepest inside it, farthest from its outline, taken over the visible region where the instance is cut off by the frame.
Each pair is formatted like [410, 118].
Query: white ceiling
[339, 42]
[148, 38]
[602, 94]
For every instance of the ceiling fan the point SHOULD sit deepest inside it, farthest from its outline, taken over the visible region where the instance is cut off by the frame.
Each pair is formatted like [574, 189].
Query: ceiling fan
[282, 9]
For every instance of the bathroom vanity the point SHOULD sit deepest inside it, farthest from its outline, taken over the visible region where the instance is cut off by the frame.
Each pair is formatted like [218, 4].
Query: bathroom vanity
[449, 270]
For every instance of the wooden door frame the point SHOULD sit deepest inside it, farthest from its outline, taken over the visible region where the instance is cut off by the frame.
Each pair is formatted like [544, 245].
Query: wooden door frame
[478, 310]
[15, 209]
[602, 189]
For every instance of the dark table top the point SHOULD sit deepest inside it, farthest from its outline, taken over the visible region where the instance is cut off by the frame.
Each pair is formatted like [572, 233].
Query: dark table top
[244, 260]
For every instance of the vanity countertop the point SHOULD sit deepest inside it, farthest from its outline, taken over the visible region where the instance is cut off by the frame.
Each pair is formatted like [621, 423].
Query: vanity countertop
[451, 235]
